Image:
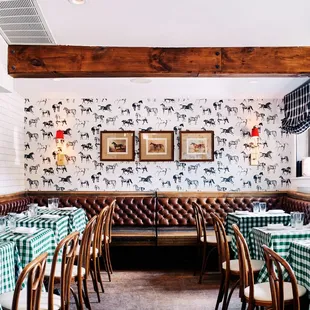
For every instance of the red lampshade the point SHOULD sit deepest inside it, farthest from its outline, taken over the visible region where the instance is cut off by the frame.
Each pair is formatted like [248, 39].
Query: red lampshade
[60, 134]
[255, 132]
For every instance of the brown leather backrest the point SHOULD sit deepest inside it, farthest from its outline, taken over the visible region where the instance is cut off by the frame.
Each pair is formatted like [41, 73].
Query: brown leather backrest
[16, 205]
[293, 204]
[173, 211]
[129, 211]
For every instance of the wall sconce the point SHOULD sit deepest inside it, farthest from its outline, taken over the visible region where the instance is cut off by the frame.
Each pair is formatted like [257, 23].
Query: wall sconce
[254, 149]
[60, 139]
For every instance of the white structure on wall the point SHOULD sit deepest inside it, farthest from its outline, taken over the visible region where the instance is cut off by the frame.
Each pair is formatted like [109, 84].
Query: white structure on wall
[82, 119]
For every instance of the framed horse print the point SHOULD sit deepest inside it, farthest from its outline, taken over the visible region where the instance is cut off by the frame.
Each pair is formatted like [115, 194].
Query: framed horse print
[196, 145]
[156, 145]
[117, 146]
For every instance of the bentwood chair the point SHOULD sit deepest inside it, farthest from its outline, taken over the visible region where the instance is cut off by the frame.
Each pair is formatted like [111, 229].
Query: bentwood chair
[107, 239]
[96, 252]
[80, 272]
[65, 249]
[249, 292]
[30, 297]
[229, 268]
[282, 293]
[205, 239]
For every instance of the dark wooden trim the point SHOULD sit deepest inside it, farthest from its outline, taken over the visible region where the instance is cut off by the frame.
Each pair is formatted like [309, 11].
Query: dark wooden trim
[32, 61]
[12, 196]
[221, 194]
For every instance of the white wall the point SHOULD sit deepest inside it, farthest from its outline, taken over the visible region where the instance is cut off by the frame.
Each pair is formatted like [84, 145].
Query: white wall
[244, 177]
[11, 144]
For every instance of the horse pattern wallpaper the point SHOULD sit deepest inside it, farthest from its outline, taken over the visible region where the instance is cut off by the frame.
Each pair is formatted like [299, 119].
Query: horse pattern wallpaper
[82, 119]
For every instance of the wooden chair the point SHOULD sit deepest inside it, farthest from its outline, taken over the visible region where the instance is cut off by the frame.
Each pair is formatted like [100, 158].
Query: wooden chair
[228, 267]
[107, 239]
[30, 297]
[67, 249]
[248, 268]
[205, 238]
[282, 293]
[97, 251]
[80, 272]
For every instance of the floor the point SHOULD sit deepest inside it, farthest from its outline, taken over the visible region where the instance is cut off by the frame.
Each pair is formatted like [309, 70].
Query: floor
[160, 290]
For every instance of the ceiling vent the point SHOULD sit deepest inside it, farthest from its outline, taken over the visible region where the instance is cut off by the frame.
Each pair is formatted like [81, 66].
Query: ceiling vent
[21, 22]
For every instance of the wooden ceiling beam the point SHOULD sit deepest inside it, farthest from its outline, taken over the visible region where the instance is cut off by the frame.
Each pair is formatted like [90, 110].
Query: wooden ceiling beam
[85, 61]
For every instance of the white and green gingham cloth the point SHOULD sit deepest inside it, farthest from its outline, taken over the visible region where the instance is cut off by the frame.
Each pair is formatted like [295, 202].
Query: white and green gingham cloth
[247, 222]
[60, 225]
[31, 246]
[299, 259]
[278, 240]
[77, 218]
[10, 266]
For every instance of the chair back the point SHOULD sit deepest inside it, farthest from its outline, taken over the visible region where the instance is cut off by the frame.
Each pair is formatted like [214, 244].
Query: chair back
[85, 247]
[200, 223]
[245, 265]
[276, 266]
[108, 228]
[100, 231]
[67, 249]
[222, 243]
[34, 272]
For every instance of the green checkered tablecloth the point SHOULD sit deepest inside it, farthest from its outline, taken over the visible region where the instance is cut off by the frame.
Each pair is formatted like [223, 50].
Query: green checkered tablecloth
[299, 259]
[10, 266]
[247, 222]
[60, 225]
[31, 246]
[77, 217]
[278, 240]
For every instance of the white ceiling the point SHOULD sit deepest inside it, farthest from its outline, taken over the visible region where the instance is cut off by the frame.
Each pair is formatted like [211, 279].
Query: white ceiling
[179, 22]
[234, 88]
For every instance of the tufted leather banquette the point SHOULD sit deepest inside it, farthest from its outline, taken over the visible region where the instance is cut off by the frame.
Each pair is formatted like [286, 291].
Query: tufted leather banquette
[162, 218]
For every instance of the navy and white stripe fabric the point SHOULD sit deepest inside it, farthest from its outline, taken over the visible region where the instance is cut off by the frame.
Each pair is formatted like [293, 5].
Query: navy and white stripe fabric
[297, 110]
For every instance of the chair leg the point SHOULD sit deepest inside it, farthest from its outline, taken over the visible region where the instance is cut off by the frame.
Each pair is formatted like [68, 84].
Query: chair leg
[243, 305]
[109, 256]
[98, 273]
[226, 289]
[80, 292]
[94, 276]
[204, 263]
[106, 267]
[221, 292]
[230, 293]
[76, 300]
[106, 259]
[197, 258]
[86, 295]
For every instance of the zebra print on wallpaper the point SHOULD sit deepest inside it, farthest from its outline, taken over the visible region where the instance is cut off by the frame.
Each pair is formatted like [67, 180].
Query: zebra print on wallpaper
[82, 119]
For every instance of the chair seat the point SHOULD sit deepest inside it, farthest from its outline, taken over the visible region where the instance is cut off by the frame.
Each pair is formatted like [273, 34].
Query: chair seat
[7, 298]
[234, 265]
[211, 239]
[77, 251]
[58, 270]
[262, 292]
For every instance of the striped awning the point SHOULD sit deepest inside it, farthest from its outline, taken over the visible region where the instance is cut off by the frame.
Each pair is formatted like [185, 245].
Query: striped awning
[297, 110]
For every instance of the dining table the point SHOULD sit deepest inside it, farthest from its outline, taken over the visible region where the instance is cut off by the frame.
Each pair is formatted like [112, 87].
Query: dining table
[30, 246]
[278, 239]
[58, 224]
[247, 220]
[77, 218]
[10, 266]
[299, 259]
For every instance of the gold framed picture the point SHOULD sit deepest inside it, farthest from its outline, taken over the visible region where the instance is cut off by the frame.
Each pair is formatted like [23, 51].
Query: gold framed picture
[117, 146]
[196, 145]
[156, 145]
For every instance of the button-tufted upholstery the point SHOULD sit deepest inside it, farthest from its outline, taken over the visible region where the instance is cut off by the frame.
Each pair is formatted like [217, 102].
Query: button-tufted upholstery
[173, 211]
[151, 219]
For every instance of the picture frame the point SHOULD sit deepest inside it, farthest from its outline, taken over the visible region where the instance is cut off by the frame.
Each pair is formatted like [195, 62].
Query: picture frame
[117, 146]
[156, 146]
[196, 145]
